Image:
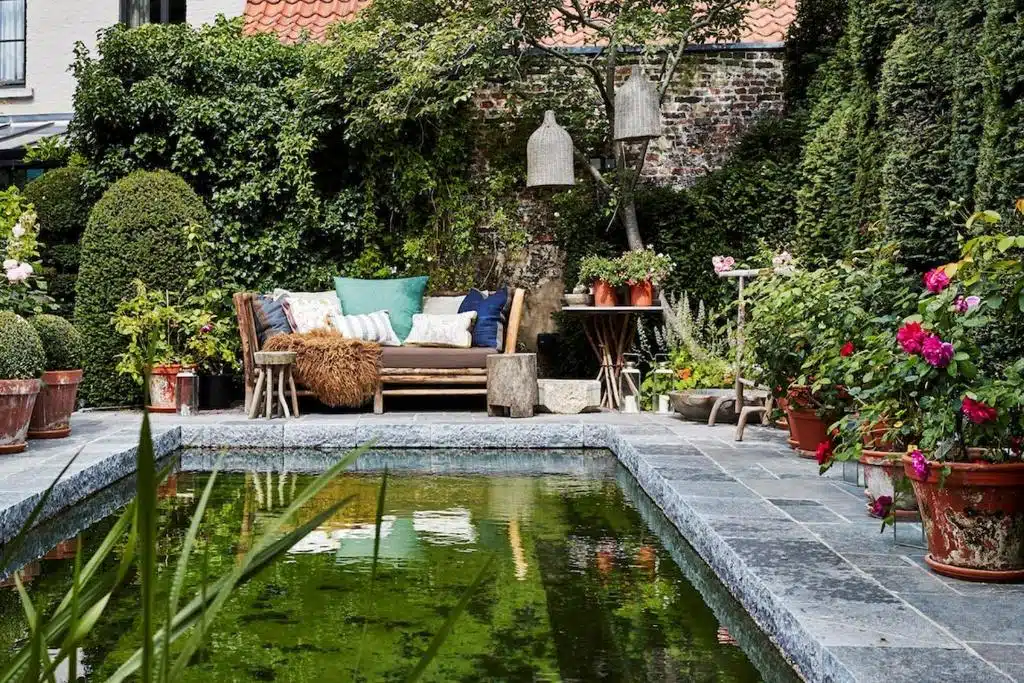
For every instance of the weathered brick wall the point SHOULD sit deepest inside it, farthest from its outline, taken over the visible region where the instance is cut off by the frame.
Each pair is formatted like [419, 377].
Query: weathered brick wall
[714, 97]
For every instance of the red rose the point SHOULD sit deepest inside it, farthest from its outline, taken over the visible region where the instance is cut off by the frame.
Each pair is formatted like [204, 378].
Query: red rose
[824, 452]
[847, 350]
[911, 337]
[977, 412]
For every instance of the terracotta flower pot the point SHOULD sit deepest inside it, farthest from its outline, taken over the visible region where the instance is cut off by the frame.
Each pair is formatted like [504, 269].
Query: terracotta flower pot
[641, 294]
[974, 520]
[884, 476]
[51, 417]
[163, 388]
[806, 428]
[17, 397]
[604, 294]
[874, 437]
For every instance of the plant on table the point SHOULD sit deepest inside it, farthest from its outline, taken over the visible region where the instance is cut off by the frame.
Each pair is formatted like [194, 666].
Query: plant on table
[605, 275]
[62, 344]
[21, 363]
[642, 270]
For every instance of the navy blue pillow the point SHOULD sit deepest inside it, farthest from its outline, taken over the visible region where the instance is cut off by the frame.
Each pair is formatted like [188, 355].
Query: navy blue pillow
[488, 316]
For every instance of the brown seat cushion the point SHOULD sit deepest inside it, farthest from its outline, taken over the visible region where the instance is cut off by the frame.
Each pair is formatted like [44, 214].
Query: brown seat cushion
[434, 358]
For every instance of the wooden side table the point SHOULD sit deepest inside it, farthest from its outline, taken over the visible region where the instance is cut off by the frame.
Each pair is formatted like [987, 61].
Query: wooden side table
[269, 364]
[511, 384]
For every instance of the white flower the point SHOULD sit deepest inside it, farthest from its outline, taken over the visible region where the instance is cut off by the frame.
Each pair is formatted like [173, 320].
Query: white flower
[783, 259]
[19, 273]
[27, 268]
[18, 230]
[10, 263]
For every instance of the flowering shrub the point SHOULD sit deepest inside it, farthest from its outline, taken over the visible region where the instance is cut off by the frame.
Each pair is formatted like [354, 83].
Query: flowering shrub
[593, 268]
[23, 289]
[645, 265]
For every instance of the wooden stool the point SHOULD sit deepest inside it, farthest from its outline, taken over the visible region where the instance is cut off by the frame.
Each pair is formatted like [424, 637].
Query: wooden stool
[511, 384]
[269, 363]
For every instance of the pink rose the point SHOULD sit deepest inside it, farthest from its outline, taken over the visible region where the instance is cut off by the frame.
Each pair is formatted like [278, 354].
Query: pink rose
[919, 464]
[880, 506]
[966, 303]
[723, 264]
[936, 280]
[911, 337]
[936, 352]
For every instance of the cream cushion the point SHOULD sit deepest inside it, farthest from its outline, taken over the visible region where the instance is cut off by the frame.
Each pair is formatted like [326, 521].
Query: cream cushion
[308, 311]
[370, 327]
[442, 305]
[454, 331]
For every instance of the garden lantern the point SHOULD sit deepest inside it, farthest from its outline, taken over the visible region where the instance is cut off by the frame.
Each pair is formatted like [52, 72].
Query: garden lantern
[662, 382]
[549, 155]
[637, 109]
[629, 384]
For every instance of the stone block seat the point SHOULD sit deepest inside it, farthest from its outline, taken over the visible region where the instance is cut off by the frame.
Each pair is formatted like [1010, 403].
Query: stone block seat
[569, 396]
[405, 370]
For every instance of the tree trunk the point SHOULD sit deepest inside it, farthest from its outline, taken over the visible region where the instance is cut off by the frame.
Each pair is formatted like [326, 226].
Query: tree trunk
[627, 212]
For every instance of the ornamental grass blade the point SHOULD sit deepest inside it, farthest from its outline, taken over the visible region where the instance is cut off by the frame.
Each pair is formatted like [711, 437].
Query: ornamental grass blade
[449, 623]
[378, 521]
[145, 520]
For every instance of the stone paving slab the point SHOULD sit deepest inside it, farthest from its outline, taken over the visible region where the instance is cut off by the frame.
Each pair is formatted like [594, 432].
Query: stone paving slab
[842, 601]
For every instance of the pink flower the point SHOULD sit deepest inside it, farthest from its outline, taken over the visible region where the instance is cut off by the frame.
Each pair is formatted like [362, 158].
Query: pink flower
[206, 329]
[19, 273]
[936, 280]
[911, 338]
[847, 350]
[964, 304]
[723, 263]
[978, 412]
[919, 464]
[880, 506]
[824, 452]
[783, 259]
[936, 352]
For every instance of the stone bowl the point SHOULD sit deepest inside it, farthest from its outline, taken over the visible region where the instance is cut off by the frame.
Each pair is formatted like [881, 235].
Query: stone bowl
[576, 299]
[696, 404]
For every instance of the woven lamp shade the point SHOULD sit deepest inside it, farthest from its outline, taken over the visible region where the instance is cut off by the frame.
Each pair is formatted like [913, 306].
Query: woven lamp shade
[637, 110]
[549, 156]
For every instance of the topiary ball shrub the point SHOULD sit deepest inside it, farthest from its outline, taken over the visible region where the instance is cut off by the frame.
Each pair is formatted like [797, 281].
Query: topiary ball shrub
[62, 343]
[60, 202]
[21, 351]
[136, 230]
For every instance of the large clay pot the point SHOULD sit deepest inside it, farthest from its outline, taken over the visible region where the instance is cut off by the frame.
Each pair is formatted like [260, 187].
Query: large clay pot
[807, 429]
[973, 518]
[604, 294]
[641, 294]
[163, 388]
[51, 417]
[17, 397]
[883, 476]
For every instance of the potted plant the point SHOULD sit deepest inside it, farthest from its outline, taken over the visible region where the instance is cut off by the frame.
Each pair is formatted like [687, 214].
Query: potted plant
[211, 342]
[605, 275]
[62, 345]
[579, 296]
[22, 289]
[21, 364]
[967, 471]
[642, 269]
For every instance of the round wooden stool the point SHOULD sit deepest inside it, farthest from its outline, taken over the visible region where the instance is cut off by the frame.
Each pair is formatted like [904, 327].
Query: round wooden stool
[269, 364]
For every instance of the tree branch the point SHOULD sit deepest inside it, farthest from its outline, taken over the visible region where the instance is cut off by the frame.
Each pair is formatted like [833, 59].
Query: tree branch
[594, 173]
[669, 70]
[594, 73]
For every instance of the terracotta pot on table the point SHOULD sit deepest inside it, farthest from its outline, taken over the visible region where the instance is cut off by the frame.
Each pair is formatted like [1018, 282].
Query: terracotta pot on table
[604, 294]
[641, 294]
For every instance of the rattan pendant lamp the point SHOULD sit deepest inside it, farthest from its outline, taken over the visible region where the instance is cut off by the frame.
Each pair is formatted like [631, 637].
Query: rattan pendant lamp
[637, 109]
[549, 155]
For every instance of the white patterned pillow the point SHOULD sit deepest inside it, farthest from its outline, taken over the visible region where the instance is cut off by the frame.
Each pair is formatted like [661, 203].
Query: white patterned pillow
[442, 305]
[308, 311]
[451, 331]
[371, 327]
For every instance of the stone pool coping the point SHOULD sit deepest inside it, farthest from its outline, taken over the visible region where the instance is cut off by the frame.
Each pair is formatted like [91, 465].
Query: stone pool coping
[841, 602]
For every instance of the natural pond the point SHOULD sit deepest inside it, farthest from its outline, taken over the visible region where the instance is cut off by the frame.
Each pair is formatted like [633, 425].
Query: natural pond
[589, 581]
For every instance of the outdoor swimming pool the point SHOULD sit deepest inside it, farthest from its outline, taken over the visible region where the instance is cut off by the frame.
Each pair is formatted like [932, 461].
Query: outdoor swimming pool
[589, 582]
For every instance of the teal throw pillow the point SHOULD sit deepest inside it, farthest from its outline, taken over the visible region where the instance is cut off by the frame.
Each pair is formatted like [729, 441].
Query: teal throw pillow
[402, 298]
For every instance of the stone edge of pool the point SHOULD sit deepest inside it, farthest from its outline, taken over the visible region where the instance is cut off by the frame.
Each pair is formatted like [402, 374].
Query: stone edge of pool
[637, 446]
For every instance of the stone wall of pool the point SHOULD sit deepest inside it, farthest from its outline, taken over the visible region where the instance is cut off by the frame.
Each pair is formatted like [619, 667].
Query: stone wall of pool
[840, 601]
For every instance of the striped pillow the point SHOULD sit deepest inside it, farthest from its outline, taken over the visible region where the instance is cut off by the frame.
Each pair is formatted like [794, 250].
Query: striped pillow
[371, 327]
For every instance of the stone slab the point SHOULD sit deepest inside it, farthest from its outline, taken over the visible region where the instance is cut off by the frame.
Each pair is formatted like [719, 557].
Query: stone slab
[568, 396]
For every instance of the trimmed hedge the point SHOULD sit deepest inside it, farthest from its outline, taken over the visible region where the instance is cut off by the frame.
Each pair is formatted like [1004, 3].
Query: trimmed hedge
[135, 231]
[62, 343]
[21, 351]
[59, 198]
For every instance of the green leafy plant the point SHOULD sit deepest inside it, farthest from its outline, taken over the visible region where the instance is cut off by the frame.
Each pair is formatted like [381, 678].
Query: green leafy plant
[700, 353]
[21, 351]
[645, 265]
[593, 268]
[23, 289]
[62, 343]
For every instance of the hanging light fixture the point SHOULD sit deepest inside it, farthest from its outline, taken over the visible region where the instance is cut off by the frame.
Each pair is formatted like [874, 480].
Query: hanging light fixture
[637, 110]
[549, 155]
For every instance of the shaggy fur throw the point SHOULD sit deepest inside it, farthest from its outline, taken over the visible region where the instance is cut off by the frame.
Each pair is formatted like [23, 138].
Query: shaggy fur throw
[339, 372]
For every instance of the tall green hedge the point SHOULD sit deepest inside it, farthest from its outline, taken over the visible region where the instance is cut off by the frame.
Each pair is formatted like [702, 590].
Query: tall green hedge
[134, 231]
[914, 117]
[962, 21]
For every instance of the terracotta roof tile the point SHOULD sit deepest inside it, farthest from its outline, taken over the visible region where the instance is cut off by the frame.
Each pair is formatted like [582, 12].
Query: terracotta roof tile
[289, 19]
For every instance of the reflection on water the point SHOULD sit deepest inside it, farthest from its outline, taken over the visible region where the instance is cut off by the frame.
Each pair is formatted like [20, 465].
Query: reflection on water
[581, 589]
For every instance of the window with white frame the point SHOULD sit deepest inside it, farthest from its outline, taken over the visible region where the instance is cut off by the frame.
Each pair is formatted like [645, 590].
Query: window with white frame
[138, 12]
[12, 42]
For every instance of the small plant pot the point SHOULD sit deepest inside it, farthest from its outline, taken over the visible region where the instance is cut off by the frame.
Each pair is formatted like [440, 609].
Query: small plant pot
[576, 299]
[641, 294]
[884, 476]
[51, 417]
[807, 430]
[604, 294]
[163, 388]
[215, 392]
[973, 519]
[17, 398]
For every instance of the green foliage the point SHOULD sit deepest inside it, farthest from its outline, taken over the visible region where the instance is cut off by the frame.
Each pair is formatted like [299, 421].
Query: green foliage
[963, 21]
[594, 268]
[23, 289]
[61, 342]
[645, 265]
[59, 199]
[21, 351]
[810, 43]
[136, 231]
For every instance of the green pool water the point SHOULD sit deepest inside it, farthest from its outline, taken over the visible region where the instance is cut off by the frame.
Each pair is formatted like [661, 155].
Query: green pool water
[589, 581]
